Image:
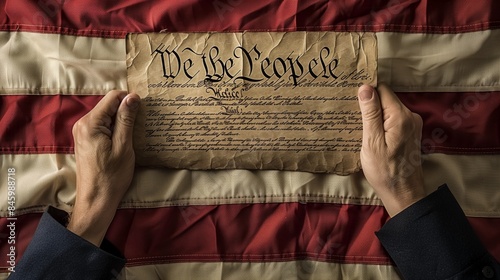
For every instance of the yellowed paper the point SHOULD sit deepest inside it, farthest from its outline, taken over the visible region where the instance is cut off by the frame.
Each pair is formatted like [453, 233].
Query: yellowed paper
[254, 100]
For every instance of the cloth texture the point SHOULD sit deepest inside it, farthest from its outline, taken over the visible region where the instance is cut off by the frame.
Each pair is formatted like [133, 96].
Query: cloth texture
[59, 58]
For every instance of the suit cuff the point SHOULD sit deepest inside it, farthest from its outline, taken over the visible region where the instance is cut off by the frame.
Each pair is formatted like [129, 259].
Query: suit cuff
[62, 218]
[432, 238]
[60, 254]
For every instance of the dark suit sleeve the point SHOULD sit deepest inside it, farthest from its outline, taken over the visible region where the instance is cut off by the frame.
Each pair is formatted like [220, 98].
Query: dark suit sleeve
[432, 239]
[57, 253]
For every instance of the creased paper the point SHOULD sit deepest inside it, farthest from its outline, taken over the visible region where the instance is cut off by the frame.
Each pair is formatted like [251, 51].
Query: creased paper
[253, 100]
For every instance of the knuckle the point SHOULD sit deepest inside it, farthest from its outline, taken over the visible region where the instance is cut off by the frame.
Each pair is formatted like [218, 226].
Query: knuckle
[80, 128]
[401, 122]
[117, 93]
[418, 120]
[74, 129]
[371, 112]
[126, 119]
[406, 121]
[77, 128]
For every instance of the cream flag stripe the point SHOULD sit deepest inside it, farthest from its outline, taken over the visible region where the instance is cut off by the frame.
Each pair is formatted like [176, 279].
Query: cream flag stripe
[440, 62]
[300, 270]
[38, 63]
[49, 179]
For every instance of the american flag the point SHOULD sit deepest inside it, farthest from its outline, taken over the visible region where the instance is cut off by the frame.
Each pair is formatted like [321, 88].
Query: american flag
[58, 58]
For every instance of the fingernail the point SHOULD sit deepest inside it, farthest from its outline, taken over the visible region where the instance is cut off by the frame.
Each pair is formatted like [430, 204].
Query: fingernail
[365, 95]
[132, 103]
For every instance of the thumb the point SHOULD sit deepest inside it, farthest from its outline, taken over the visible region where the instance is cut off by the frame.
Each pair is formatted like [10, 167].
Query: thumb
[125, 119]
[371, 113]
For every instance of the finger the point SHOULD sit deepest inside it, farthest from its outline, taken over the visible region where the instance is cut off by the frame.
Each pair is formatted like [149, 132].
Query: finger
[388, 99]
[371, 113]
[110, 102]
[103, 113]
[125, 119]
[98, 120]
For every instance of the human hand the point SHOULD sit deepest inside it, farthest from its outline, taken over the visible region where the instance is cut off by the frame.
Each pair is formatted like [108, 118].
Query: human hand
[390, 153]
[105, 162]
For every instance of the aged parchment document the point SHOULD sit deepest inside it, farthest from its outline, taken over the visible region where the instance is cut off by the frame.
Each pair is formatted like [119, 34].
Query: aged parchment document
[254, 100]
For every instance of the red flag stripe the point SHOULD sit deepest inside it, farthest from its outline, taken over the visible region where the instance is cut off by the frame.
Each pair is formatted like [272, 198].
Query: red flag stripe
[264, 232]
[457, 123]
[115, 19]
[42, 123]
[454, 123]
